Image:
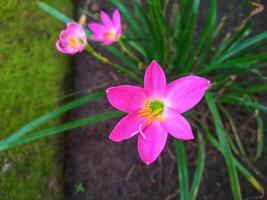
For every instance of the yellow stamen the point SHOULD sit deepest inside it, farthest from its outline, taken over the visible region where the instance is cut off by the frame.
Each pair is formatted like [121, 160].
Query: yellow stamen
[110, 35]
[144, 114]
[147, 104]
[158, 111]
[145, 110]
[161, 119]
[151, 117]
[72, 42]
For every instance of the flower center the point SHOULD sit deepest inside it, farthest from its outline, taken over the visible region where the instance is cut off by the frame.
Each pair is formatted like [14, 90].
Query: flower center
[110, 35]
[72, 42]
[152, 110]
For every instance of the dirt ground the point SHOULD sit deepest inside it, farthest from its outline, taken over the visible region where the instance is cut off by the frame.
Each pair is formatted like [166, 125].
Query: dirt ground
[97, 168]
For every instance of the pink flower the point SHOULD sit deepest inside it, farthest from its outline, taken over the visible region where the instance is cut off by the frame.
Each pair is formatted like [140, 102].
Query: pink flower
[155, 110]
[72, 40]
[110, 29]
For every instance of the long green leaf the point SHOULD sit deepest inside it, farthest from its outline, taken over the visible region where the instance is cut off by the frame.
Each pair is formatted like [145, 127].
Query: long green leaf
[182, 169]
[199, 168]
[260, 141]
[54, 12]
[250, 178]
[65, 127]
[229, 159]
[48, 116]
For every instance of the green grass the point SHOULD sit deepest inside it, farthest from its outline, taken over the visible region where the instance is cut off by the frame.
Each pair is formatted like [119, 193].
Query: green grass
[31, 82]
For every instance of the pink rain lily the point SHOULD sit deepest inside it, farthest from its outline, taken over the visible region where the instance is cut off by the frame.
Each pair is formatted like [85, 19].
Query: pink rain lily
[155, 110]
[110, 29]
[72, 40]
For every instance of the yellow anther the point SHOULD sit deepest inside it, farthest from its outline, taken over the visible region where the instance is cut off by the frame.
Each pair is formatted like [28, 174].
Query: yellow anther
[144, 114]
[150, 119]
[72, 42]
[161, 119]
[110, 35]
[145, 110]
[147, 103]
[157, 111]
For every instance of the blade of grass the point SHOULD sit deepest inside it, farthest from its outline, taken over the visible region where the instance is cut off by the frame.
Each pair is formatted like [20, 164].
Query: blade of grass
[231, 99]
[250, 178]
[207, 32]
[182, 169]
[199, 168]
[48, 116]
[54, 12]
[245, 44]
[260, 141]
[225, 147]
[64, 127]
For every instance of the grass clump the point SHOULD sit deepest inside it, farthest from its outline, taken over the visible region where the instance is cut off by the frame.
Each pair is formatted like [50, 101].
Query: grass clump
[31, 78]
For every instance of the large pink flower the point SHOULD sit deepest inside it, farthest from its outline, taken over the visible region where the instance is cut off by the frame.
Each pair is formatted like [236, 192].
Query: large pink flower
[155, 110]
[72, 40]
[110, 29]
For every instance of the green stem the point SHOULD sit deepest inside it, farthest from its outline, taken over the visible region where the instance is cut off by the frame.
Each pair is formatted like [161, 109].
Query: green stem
[130, 54]
[103, 59]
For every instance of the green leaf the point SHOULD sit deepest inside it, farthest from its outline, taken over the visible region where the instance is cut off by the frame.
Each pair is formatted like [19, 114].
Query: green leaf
[65, 127]
[182, 170]
[246, 44]
[231, 99]
[199, 168]
[48, 116]
[250, 178]
[260, 141]
[54, 12]
[229, 159]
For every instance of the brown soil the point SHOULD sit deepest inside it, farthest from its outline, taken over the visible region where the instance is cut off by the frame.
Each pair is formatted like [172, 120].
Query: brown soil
[108, 170]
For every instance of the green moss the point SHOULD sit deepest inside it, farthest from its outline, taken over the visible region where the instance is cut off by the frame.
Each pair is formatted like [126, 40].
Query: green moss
[31, 76]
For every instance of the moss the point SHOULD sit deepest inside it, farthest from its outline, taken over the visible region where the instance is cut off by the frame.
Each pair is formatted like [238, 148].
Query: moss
[31, 78]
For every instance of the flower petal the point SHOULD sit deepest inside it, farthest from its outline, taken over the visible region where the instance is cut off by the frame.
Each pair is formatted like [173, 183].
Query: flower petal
[106, 20]
[127, 127]
[97, 28]
[66, 50]
[151, 144]
[126, 98]
[155, 80]
[176, 125]
[116, 18]
[184, 93]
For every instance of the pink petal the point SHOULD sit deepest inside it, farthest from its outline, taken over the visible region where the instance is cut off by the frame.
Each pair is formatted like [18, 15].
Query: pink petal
[97, 37]
[97, 28]
[108, 42]
[106, 20]
[127, 127]
[65, 50]
[184, 93]
[176, 125]
[152, 143]
[155, 80]
[116, 18]
[126, 98]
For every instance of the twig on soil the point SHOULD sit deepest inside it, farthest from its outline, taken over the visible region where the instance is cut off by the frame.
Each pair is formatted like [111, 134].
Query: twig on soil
[172, 196]
[129, 173]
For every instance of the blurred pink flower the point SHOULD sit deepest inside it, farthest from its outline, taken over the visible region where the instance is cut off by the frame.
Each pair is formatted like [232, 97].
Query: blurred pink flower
[110, 29]
[155, 110]
[72, 40]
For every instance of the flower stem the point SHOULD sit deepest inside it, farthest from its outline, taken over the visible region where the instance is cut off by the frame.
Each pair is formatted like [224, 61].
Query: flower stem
[130, 54]
[100, 57]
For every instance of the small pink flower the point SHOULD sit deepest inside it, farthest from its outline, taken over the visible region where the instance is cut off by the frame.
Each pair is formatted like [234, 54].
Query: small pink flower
[155, 110]
[110, 29]
[72, 40]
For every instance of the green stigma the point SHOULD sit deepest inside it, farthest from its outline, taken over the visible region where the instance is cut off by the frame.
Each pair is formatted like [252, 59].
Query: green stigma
[156, 106]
